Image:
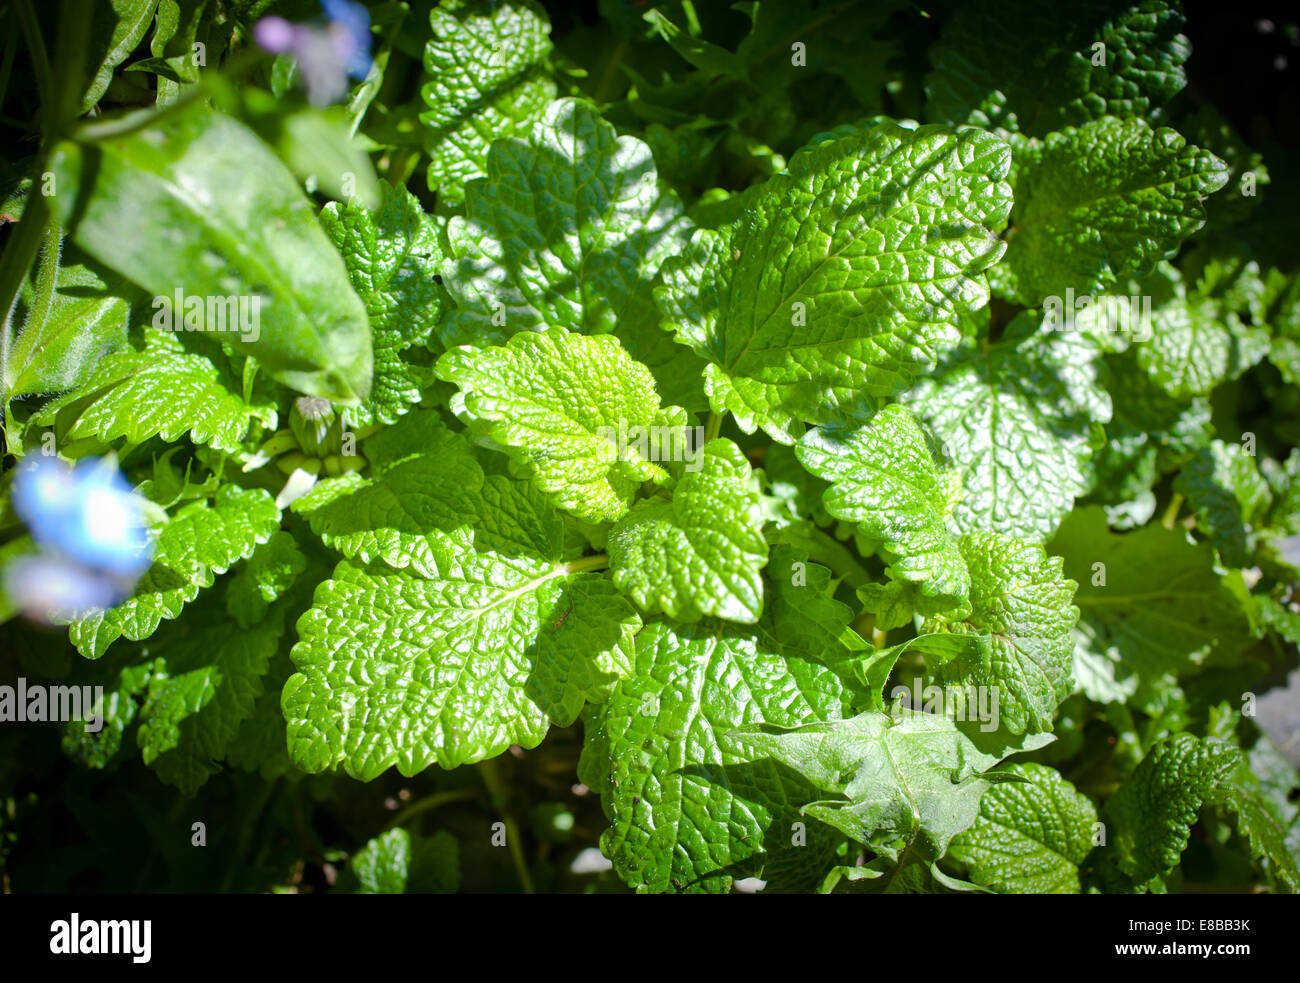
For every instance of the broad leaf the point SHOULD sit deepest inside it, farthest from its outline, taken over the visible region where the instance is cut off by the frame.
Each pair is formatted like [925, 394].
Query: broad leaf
[201, 540]
[844, 277]
[905, 783]
[1017, 638]
[1025, 67]
[1151, 815]
[445, 661]
[1016, 420]
[400, 862]
[885, 480]
[700, 553]
[1222, 484]
[564, 406]
[166, 387]
[228, 242]
[197, 703]
[489, 81]
[60, 342]
[392, 258]
[408, 503]
[1100, 202]
[1031, 836]
[1151, 601]
[687, 812]
[568, 228]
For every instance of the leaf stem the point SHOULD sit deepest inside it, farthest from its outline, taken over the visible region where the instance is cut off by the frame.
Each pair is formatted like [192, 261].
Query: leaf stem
[601, 95]
[597, 562]
[19, 254]
[713, 428]
[1171, 513]
[431, 802]
[47, 277]
[496, 789]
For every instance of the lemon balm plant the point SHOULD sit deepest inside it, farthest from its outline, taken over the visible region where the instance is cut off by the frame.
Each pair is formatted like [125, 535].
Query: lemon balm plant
[948, 541]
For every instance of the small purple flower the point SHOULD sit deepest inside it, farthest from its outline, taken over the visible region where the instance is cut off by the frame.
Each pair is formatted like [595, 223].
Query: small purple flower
[327, 56]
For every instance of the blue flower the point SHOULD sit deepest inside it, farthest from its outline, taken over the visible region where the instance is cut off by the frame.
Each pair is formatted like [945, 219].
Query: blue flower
[327, 56]
[50, 588]
[88, 515]
[352, 21]
[89, 526]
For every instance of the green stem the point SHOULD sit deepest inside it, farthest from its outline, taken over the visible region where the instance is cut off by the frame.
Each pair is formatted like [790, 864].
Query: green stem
[1171, 513]
[247, 824]
[69, 86]
[47, 278]
[140, 119]
[713, 428]
[24, 243]
[898, 868]
[36, 48]
[431, 802]
[496, 789]
[601, 95]
[597, 562]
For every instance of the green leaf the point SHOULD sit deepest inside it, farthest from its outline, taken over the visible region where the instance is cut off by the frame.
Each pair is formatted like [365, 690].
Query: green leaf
[123, 681]
[569, 228]
[270, 571]
[686, 812]
[261, 746]
[443, 661]
[1151, 601]
[197, 704]
[316, 145]
[1016, 418]
[585, 651]
[1151, 815]
[165, 388]
[118, 27]
[885, 479]
[564, 406]
[700, 553]
[410, 503]
[905, 783]
[844, 277]
[805, 620]
[1197, 342]
[1222, 484]
[1150, 432]
[1018, 633]
[1264, 832]
[58, 347]
[182, 24]
[201, 540]
[399, 862]
[1031, 835]
[1100, 202]
[1033, 69]
[489, 81]
[227, 238]
[710, 59]
[395, 669]
[393, 258]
